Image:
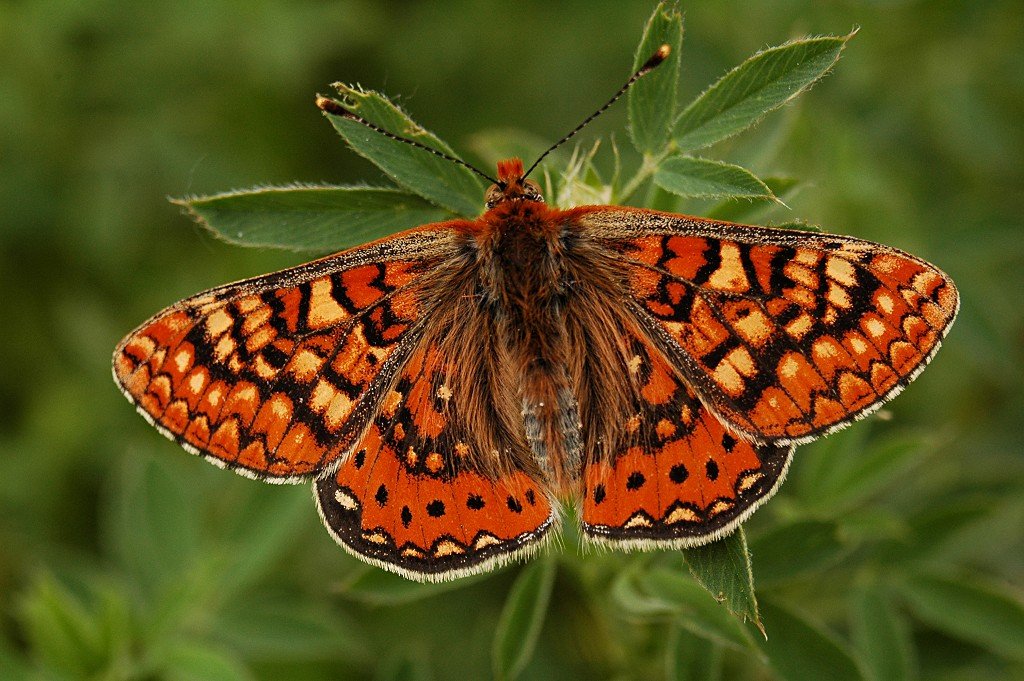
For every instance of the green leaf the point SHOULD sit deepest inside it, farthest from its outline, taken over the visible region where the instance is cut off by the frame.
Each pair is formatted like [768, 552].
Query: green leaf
[799, 649]
[310, 218]
[986, 614]
[790, 551]
[736, 210]
[652, 99]
[154, 521]
[279, 627]
[62, 632]
[196, 661]
[638, 603]
[374, 586]
[438, 180]
[258, 529]
[854, 475]
[695, 609]
[761, 84]
[702, 178]
[723, 568]
[691, 658]
[881, 634]
[522, 618]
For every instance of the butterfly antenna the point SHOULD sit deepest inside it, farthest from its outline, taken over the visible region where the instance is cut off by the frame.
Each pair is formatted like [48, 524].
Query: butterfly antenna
[659, 56]
[335, 109]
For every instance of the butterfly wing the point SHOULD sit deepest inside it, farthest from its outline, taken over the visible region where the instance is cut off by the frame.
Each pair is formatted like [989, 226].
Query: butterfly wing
[276, 376]
[410, 501]
[786, 335]
[679, 477]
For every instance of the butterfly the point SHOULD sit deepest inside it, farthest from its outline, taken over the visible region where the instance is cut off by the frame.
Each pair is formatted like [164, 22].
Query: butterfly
[445, 389]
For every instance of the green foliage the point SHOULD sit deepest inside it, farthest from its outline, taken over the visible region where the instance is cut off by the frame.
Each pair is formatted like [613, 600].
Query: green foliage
[892, 551]
[310, 218]
[761, 84]
[723, 568]
[701, 178]
[652, 99]
[523, 618]
[436, 179]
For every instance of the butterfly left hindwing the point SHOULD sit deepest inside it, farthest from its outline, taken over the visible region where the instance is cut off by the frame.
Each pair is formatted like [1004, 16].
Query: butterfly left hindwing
[409, 498]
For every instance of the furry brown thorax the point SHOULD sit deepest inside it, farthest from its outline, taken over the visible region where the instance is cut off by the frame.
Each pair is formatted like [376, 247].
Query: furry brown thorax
[537, 324]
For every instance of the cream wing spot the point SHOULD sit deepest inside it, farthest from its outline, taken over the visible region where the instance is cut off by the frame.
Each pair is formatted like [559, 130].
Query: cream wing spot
[755, 328]
[183, 359]
[218, 323]
[324, 311]
[730, 275]
[842, 271]
[874, 327]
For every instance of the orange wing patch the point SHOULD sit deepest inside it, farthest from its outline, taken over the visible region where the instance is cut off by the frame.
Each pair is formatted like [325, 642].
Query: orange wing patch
[787, 335]
[273, 376]
[680, 478]
[406, 499]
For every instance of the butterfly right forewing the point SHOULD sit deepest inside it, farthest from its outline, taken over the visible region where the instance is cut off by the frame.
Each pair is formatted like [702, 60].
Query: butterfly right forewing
[785, 335]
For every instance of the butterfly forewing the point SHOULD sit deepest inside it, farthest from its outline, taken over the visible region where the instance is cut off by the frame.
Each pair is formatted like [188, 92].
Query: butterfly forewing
[785, 335]
[411, 500]
[276, 376]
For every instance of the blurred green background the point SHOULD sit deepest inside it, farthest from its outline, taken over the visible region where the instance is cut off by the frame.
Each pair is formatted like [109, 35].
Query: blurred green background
[895, 550]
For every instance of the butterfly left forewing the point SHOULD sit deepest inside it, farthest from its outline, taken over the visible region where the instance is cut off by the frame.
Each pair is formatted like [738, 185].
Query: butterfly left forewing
[414, 498]
[274, 376]
[678, 476]
[786, 335]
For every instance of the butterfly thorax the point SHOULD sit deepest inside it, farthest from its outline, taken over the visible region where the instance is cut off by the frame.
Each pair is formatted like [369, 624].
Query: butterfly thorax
[524, 288]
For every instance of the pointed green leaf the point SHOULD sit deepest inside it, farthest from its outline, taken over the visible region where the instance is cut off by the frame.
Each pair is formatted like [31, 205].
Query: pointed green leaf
[306, 218]
[761, 84]
[652, 99]
[522, 618]
[702, 178]
[723, 568]
[790, 551]
[882, 635]
[799, 649]
[737, 210]
[988, 615]
[695, 608]
[438, 180]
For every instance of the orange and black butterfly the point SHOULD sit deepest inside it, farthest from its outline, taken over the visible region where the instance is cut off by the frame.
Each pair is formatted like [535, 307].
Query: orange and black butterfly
[446, 388]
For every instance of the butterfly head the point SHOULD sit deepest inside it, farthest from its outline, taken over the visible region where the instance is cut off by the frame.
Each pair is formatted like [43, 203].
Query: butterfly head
[512, 185]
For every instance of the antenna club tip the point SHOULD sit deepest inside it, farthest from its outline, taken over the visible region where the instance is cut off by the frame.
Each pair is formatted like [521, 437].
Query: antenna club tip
[660, 55]
[332, 107]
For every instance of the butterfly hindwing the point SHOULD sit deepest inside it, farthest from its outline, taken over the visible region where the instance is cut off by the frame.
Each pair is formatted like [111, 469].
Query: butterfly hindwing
[679, 477]
[276, 376]
[409, 500]
[787, 335]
